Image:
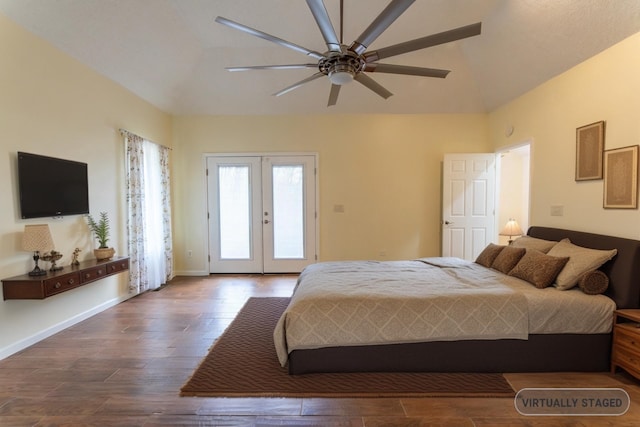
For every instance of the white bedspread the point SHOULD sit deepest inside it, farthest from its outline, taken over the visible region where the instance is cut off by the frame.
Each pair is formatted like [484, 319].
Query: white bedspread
[431, 299]
[369, 302]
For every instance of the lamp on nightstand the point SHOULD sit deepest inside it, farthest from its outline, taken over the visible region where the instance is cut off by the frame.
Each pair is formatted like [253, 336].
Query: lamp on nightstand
[37, 238]
[511, 229]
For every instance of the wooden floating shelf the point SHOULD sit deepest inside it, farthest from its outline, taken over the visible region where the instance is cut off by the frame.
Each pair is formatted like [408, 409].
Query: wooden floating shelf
[55, 282]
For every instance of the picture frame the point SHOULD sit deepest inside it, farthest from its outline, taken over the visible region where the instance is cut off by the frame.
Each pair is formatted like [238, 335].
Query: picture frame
[621, 178]
[589, 151]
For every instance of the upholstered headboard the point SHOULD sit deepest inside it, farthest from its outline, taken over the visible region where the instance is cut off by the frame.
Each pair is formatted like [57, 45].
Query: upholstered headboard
[623, 270]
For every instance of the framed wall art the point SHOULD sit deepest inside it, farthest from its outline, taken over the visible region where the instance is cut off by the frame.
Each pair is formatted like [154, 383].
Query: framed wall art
[589, 150]
[621, 178]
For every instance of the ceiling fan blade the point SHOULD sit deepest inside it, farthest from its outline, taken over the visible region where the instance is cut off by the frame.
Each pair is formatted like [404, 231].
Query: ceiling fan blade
[300, 83]
[424, 42]
[333, 95]
[272, 67]
[372, 84]
[268, 37]
[341, 21]
[381, 23]
[406, 70]
[321, 16]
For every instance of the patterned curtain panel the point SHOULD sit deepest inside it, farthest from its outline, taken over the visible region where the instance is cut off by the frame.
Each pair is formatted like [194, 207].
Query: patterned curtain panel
[165, 209]
[148, 213]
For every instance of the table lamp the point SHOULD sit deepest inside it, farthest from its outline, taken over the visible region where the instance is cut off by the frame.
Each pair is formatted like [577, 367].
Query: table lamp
[37, 238]
[511, 229]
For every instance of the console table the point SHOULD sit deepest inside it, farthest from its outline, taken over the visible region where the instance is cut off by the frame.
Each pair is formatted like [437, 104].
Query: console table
[55, 282]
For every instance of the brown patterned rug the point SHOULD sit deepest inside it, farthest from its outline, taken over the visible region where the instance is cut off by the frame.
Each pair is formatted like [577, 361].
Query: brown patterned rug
[243, 363]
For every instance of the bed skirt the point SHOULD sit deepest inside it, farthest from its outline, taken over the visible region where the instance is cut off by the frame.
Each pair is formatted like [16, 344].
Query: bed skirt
[540, 353]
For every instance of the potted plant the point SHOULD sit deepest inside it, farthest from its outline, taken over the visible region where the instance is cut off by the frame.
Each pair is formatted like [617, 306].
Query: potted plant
[100, 230]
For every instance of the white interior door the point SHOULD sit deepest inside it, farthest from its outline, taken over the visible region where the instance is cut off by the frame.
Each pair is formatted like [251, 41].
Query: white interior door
[262, 214]
[468, 204]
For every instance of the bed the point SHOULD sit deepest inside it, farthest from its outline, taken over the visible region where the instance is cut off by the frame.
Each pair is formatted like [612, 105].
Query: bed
[512, 343]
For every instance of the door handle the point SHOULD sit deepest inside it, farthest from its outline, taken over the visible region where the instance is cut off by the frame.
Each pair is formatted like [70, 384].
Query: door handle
[266, 221]
[448, 223]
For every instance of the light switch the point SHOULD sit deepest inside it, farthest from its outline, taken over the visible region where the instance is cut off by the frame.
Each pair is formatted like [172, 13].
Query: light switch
[338, 208]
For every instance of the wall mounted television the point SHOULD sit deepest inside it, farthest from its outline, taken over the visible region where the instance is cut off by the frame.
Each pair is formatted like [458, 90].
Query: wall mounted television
[50, 187]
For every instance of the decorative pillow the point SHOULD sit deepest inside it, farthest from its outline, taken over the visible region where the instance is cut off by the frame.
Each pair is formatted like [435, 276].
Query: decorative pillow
[507, 259]
[593, 282]
[538, 268]
[581, 260]
[529, 242]
[489, 254]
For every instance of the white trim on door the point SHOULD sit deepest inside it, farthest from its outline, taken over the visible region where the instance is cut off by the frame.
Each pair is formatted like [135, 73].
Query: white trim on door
[260, 200]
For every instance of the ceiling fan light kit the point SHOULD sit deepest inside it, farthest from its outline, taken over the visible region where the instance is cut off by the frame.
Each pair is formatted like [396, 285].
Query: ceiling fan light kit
[341, 75]
[341, 68]
[342, 64]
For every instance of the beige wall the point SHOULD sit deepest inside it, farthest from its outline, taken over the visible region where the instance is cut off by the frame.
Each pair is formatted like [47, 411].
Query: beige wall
[384, 169]
[605, 87]
[52, 105]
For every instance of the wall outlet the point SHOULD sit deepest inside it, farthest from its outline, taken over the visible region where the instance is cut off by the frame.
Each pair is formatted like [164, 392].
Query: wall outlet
[557, 210]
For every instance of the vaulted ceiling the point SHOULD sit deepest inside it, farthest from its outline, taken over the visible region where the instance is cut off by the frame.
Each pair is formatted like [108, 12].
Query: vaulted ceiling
[173, 54]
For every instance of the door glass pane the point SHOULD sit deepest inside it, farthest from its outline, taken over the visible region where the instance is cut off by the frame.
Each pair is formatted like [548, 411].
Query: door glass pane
[235, 217]
[288, 212]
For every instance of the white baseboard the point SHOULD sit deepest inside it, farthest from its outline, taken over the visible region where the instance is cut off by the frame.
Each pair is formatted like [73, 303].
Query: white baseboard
[29, 341]
[190, 273]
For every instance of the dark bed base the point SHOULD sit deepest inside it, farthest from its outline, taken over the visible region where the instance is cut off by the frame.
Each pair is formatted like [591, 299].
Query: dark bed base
[540, 353]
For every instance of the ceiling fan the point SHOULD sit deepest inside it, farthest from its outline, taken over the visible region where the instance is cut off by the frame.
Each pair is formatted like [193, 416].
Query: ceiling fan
[343, 64]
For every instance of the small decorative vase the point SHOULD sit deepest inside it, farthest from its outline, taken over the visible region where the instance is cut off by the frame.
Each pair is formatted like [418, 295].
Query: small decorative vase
[104, 253]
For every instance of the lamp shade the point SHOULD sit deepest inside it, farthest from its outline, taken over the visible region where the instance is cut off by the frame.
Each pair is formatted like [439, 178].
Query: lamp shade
[511, 229]
[37, 237]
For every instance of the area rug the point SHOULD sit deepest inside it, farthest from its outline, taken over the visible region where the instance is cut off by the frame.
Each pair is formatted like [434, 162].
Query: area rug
[243, 363]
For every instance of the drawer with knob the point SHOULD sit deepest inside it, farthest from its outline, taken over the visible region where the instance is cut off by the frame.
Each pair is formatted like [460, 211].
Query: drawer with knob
[61, 283]
[118, 266]
[625, 353]
[94, 273]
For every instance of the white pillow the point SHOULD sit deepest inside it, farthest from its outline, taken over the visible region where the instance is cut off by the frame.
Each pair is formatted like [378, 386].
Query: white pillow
[581, 260]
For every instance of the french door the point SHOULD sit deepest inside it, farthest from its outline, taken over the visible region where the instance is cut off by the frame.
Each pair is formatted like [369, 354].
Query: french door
[262, 214]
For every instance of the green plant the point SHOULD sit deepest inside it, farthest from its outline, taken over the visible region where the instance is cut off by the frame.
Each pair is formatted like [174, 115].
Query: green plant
[100, 229]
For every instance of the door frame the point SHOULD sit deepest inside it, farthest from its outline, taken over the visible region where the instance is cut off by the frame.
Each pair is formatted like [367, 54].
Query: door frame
[205, 157]
[500, 215]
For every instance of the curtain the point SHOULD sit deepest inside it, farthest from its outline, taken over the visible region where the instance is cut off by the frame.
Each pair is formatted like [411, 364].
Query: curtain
[148, 213]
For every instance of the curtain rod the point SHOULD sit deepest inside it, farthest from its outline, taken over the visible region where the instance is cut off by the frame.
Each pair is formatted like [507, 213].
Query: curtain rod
[124, 131]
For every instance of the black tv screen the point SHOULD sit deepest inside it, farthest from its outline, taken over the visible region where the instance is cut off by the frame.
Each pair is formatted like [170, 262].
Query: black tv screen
[51, 187]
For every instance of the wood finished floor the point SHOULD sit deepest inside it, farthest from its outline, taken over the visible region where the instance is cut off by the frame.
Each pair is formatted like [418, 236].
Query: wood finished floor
[125, 366]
